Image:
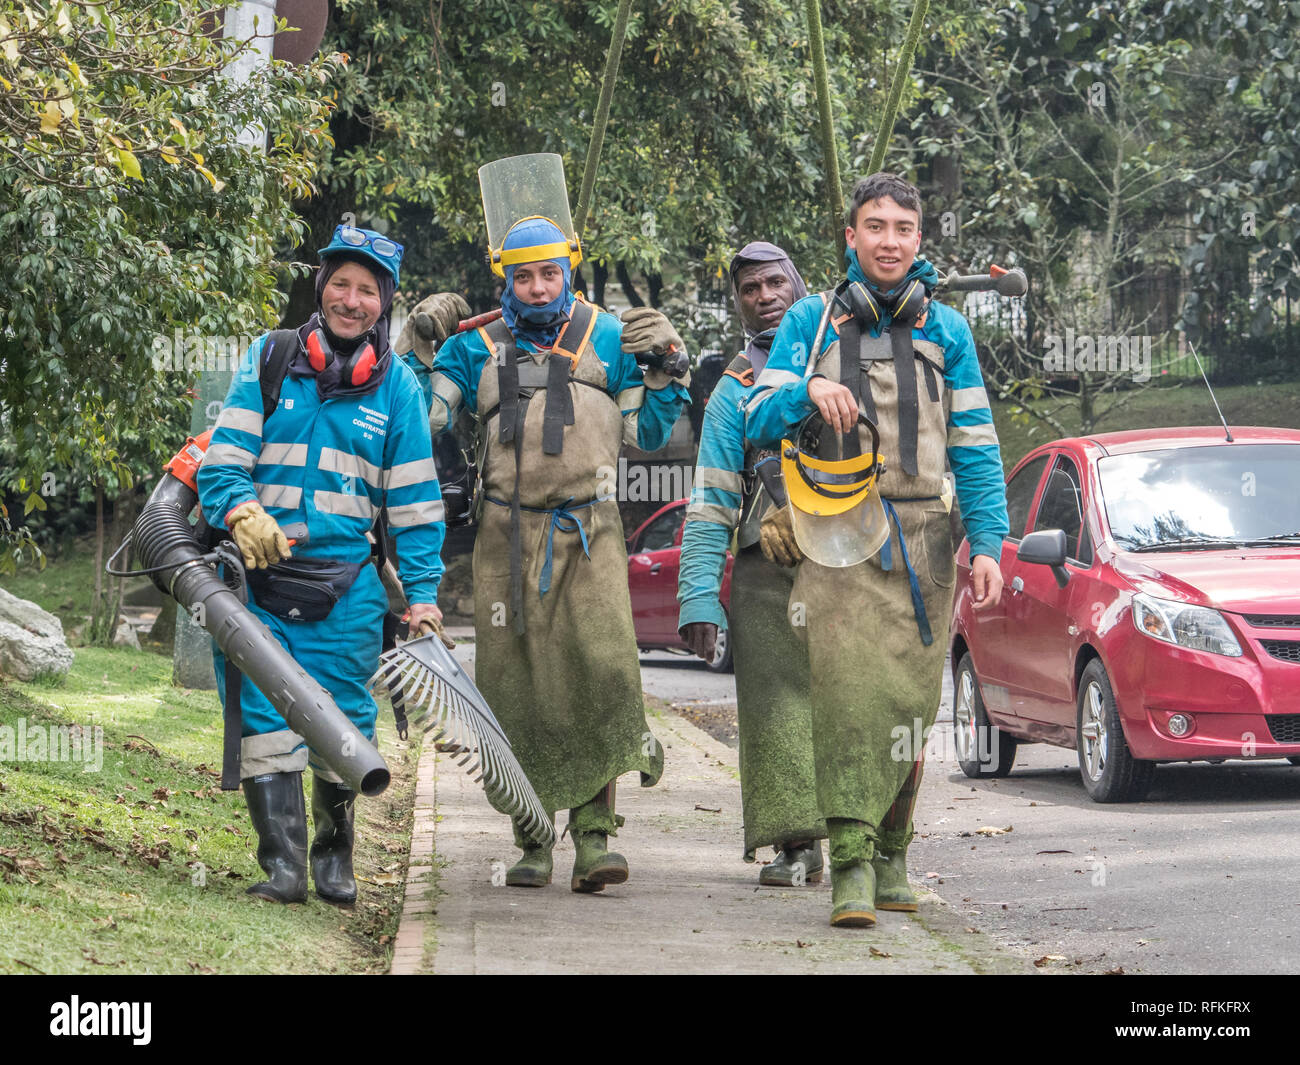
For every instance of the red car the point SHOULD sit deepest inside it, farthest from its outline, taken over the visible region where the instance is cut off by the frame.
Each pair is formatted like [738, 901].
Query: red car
[1151, 608]
[654, 559]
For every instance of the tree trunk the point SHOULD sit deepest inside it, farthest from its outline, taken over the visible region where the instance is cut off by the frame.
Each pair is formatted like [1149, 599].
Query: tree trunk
[629, 287]
[655, 282]
[97, 603]
[599, 276]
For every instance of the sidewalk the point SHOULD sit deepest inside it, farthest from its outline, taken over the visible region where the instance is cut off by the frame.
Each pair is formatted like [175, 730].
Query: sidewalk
[691, 906]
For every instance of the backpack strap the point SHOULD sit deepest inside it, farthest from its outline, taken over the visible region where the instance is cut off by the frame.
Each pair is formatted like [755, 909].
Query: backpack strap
[741, 369]
[278, 351]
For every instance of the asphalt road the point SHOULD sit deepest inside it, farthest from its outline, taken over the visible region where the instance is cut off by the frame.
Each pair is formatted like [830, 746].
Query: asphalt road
[1196, 879]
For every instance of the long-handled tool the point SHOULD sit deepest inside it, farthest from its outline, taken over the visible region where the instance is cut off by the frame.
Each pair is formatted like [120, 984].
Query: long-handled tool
[435, 689]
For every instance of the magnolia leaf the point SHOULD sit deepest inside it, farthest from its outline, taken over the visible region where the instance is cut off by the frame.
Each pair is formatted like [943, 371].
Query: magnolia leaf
[9, 85]
[217, 186]
[129, 163]
[34, 502]
[170, 156]
[51, 117]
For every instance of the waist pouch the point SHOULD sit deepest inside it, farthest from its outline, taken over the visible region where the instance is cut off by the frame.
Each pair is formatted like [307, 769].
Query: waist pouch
[302, 589]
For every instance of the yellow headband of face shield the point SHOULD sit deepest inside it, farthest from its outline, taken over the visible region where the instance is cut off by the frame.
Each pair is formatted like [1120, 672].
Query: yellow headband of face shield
[503, 257]
[827, 486]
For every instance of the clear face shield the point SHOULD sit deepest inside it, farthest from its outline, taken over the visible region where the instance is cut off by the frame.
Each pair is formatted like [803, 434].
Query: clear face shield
[521, 187]
[836, 511]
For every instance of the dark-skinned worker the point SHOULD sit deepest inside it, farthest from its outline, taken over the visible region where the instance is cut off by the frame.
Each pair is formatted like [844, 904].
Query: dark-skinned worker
[556, 388]
[349, 435]
[777, 785]
[874, 595]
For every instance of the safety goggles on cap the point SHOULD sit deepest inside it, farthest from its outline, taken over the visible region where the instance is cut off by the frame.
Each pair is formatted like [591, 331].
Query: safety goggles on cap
[375, 246]
[836, 511]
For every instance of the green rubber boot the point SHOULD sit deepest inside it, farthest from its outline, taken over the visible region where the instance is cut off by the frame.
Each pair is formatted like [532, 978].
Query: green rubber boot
[853, 880]
[591, 825]
[594, 865]
[890, 863]
[892, 889]
[796, 864]
[534, 868]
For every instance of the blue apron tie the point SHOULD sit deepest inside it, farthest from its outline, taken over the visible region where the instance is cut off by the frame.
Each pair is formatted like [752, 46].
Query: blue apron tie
[886, 563]
[562, 520]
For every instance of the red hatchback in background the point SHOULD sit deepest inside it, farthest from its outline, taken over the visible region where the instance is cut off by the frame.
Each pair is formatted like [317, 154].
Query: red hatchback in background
[654, 561]
[1151, 608]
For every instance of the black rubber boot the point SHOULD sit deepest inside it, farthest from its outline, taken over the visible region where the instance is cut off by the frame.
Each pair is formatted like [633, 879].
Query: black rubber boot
[279, 815]
[331, 850]
[796, 864]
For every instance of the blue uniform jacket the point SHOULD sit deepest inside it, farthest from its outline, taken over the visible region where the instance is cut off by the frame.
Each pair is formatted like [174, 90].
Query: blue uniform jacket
[779, 402]
[715, 504]
[332, 465]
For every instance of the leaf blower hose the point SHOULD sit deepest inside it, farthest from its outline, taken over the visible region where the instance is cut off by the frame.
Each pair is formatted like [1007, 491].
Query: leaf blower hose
[168, 550]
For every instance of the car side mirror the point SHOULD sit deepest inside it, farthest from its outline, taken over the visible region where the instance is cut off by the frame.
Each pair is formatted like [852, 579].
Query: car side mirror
[1046, 548]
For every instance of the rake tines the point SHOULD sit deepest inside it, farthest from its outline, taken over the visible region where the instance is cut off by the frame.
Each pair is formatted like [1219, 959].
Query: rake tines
[440, 696]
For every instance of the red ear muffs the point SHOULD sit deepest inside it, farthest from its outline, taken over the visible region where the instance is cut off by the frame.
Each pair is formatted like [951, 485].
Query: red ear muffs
[363, 365]
[360, 366]
[319, 352]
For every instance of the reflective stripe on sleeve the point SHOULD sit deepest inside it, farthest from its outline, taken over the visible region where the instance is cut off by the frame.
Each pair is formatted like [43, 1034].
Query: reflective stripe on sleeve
[425, 513]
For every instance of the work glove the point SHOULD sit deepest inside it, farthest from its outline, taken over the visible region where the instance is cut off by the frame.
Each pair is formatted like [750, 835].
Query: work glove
[426, 619]
[701, 637]
[430, 322]
[437, 316]
[259, 539]
[776, 538]
[650, 337]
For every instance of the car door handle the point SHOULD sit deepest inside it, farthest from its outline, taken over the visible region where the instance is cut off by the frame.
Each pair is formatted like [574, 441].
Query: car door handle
[1017, 585]
[656, 567]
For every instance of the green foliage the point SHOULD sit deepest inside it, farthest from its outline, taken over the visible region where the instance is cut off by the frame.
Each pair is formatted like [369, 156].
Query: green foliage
[129, 206]
[712, 139]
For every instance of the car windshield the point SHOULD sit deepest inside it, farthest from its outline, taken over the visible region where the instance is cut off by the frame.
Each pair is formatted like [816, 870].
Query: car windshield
[1184, 498]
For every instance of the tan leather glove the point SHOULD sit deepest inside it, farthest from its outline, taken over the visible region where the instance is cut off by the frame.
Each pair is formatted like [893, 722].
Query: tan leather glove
[259, 539]
[648, 330]
[426, 620]
[776, 538]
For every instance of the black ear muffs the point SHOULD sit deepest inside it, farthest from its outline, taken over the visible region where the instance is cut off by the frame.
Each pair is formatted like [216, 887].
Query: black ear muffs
[359, 368]
[904, 306]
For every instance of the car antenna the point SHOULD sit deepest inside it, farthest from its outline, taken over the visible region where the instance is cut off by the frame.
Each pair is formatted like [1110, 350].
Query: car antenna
[1226, 431]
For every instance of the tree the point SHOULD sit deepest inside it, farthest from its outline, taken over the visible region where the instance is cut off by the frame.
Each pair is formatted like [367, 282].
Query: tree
[141, 229]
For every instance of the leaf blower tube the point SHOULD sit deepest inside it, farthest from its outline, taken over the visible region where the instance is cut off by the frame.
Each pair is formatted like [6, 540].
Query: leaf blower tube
[166, 544]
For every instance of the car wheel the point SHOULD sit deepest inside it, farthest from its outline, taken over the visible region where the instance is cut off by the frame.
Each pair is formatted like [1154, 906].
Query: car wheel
[983, 749]
[721, 652]
[1109, 770]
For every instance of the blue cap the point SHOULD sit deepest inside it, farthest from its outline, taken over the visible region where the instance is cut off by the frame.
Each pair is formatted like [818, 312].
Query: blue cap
[367, 243]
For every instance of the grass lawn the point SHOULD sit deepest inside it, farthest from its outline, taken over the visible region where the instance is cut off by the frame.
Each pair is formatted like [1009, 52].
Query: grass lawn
[1187, 404]
[141, 865]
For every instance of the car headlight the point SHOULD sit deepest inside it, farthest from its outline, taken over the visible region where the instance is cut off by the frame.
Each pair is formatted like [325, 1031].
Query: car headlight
[1196, 627]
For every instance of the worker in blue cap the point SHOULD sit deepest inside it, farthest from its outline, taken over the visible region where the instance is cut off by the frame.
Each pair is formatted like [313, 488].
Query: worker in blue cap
[348, 436]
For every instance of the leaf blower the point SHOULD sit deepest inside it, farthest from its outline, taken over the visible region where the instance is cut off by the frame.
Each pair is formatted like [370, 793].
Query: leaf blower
[181, 560]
